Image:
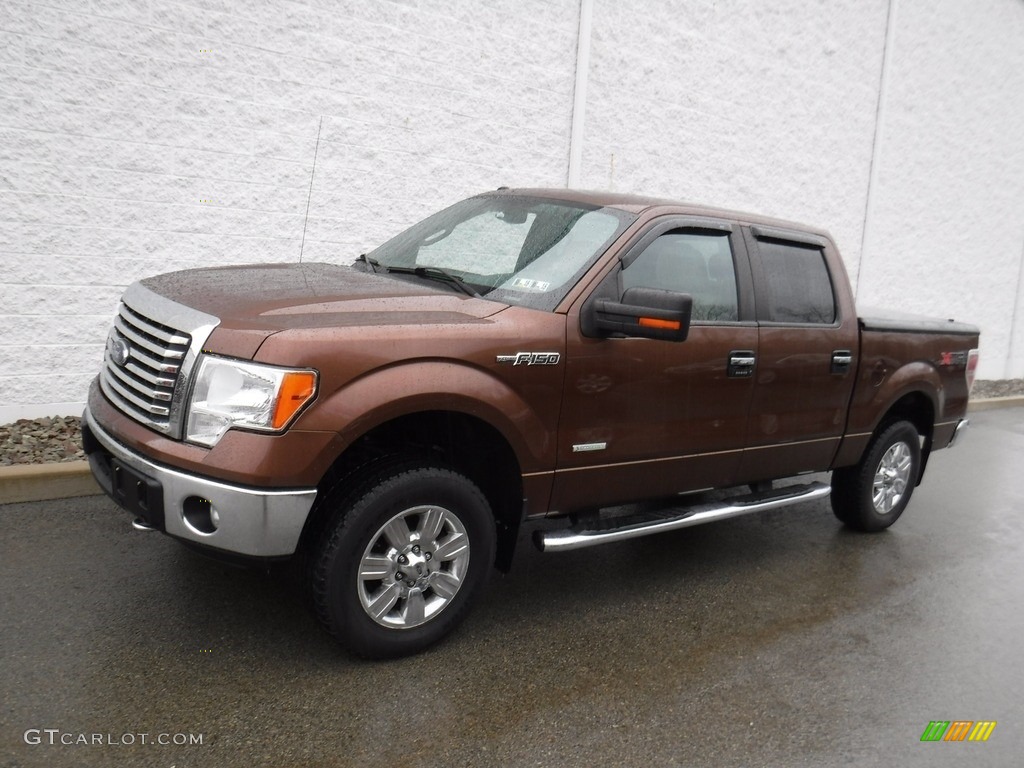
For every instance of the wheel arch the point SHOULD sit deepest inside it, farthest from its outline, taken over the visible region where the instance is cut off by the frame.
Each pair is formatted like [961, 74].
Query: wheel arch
[396, 391]
[913, 393]
[462, 442]
[917, 407]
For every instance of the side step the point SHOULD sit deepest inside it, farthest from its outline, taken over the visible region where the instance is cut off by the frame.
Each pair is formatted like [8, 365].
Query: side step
[634, 526]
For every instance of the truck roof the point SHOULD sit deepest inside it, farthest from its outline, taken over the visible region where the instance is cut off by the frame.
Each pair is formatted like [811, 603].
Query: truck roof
[647, 203]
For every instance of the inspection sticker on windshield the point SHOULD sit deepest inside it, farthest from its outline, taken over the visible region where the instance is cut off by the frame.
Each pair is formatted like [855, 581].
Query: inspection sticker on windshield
[526, 284]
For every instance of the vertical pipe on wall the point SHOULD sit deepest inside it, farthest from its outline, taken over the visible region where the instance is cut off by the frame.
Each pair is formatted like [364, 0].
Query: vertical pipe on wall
[1012, 370]
[883, 81]
[579, 100]
[309, 197]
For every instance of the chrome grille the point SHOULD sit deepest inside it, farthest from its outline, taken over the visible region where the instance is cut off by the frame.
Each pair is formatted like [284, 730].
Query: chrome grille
[143, 385]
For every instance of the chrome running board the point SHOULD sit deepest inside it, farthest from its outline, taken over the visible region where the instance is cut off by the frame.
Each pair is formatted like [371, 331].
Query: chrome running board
[634, 526]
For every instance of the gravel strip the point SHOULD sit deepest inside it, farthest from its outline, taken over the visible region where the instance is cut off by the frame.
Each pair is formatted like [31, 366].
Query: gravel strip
[49, 440]
[41, 441]
[997, 388]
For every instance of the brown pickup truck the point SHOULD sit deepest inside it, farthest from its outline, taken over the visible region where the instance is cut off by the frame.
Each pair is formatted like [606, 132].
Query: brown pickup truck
[521, 355]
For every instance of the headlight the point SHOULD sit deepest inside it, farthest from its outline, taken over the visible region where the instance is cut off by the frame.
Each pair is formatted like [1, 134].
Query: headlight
[233, 393]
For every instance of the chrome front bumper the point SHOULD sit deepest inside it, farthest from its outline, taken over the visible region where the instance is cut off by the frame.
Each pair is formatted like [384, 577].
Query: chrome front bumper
[249, 521]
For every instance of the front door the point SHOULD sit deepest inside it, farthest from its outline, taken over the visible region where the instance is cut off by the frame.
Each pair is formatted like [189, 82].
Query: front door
[646, 418]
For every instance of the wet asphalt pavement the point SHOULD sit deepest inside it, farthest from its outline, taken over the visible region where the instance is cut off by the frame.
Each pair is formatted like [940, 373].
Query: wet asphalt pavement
[778, 639]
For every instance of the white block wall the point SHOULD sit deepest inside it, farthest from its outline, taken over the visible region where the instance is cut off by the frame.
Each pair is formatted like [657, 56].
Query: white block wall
[951, 163]
[784, 108]
[765, 107]
[138, 137]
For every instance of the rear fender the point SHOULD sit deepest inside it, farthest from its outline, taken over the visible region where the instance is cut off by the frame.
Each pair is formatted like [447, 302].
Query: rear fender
[874, 402]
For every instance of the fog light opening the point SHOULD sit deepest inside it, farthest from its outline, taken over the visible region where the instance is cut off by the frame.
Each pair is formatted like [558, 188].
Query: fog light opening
[199, 515]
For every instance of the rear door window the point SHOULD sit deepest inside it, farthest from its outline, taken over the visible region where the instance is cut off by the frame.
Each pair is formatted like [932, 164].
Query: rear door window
[797, 283]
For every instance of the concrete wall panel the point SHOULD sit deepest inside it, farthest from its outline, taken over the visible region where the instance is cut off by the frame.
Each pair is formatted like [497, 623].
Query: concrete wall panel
[144, 137]
[946, 231]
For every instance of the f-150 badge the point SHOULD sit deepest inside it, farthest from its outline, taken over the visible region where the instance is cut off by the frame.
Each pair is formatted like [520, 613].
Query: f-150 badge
[531, 358]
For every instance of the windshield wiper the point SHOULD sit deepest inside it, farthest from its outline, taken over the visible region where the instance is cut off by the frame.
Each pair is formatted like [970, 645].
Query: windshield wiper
[373, 264]
[436, 273]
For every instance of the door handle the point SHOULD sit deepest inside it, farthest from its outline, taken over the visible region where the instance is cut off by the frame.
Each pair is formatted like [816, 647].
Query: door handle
[741, 364]
[842, 359]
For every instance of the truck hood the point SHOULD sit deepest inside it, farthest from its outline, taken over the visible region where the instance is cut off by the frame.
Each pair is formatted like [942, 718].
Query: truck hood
[277, 297]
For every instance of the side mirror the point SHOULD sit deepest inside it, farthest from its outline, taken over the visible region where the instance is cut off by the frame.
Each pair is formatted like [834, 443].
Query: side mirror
[650, 313]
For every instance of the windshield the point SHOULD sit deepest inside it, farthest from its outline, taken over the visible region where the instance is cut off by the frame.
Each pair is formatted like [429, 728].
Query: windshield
[515, 249]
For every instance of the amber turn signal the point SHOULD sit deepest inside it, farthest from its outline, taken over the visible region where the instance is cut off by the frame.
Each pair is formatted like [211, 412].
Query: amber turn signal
[297, 389]
[653, 322]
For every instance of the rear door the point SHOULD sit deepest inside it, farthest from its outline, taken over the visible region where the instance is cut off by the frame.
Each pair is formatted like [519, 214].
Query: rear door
[645, 418]
[807, 352]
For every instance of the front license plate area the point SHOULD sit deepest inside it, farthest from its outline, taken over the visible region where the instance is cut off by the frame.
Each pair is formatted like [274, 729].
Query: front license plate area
[137, 493]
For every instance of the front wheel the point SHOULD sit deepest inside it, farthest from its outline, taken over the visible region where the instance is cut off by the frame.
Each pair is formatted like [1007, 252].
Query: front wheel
[403, 560]
[871, 495]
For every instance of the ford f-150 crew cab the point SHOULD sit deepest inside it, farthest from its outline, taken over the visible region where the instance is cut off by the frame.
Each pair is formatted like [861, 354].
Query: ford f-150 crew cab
[521, 355]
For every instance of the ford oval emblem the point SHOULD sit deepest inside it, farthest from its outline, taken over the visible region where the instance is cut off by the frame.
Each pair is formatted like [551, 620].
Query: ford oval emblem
[119, 350]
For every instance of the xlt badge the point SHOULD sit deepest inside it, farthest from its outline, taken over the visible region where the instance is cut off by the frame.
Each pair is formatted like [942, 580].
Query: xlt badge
[531, 358]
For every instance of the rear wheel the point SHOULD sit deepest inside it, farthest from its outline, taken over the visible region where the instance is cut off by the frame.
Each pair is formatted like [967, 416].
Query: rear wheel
[871, 495]
[401, 563]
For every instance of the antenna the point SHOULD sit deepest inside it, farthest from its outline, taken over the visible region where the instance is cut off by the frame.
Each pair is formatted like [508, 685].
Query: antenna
[312, 173]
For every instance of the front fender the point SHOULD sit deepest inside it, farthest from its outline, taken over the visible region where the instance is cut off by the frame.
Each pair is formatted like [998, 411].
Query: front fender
[384, 394]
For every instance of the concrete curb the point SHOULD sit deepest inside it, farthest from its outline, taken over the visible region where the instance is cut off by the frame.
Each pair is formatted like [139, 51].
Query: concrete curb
[42, 482]
[992, 403]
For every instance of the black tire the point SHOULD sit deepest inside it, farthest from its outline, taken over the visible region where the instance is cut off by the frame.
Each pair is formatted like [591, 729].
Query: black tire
[871, 495]
[428, 534]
